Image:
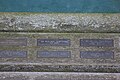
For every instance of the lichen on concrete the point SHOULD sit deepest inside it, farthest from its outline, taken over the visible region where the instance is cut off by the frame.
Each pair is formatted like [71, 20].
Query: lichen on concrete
[60, 22]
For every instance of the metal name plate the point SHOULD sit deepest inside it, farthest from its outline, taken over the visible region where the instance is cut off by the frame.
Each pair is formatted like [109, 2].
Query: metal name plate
[97, 54]
[54, 54]
[13, 42]
[13, 54]
[98, 79]
[53, 42]
[97, 42]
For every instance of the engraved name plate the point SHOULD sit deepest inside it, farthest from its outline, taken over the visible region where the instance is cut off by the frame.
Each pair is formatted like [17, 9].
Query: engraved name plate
[53, 42]
[97, 42]
[97, 54]
[13, 42]
[13, 54]
[54, 54]
[99, 79]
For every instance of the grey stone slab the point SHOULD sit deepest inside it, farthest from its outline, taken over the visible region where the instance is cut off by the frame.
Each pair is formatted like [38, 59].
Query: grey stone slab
[97, 42]
[13, 54]
[97, 54]
[53, 42]
[54, 54]
[61, 62]
[57, 76]
[13, 42]
[15, 78]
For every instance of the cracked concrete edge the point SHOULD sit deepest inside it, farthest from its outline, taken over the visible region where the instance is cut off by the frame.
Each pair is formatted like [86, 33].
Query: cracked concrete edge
[58, 76]
[60, 22]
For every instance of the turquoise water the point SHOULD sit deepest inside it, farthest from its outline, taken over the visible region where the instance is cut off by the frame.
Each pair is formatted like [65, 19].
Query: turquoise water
[60, 6]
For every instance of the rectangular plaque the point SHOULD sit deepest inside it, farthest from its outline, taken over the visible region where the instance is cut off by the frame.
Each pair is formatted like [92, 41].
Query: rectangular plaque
[13, 42]
[97, 42]
[53, 42]
[99, 79]
[13, 54]
[54, 54]
[97, 54]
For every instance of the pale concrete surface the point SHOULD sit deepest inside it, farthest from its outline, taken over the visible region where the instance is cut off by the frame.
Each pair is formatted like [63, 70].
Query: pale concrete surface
[60, 22]
[58, 76]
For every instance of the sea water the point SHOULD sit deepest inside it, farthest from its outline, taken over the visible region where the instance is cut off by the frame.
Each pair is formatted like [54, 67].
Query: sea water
[69, 6]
